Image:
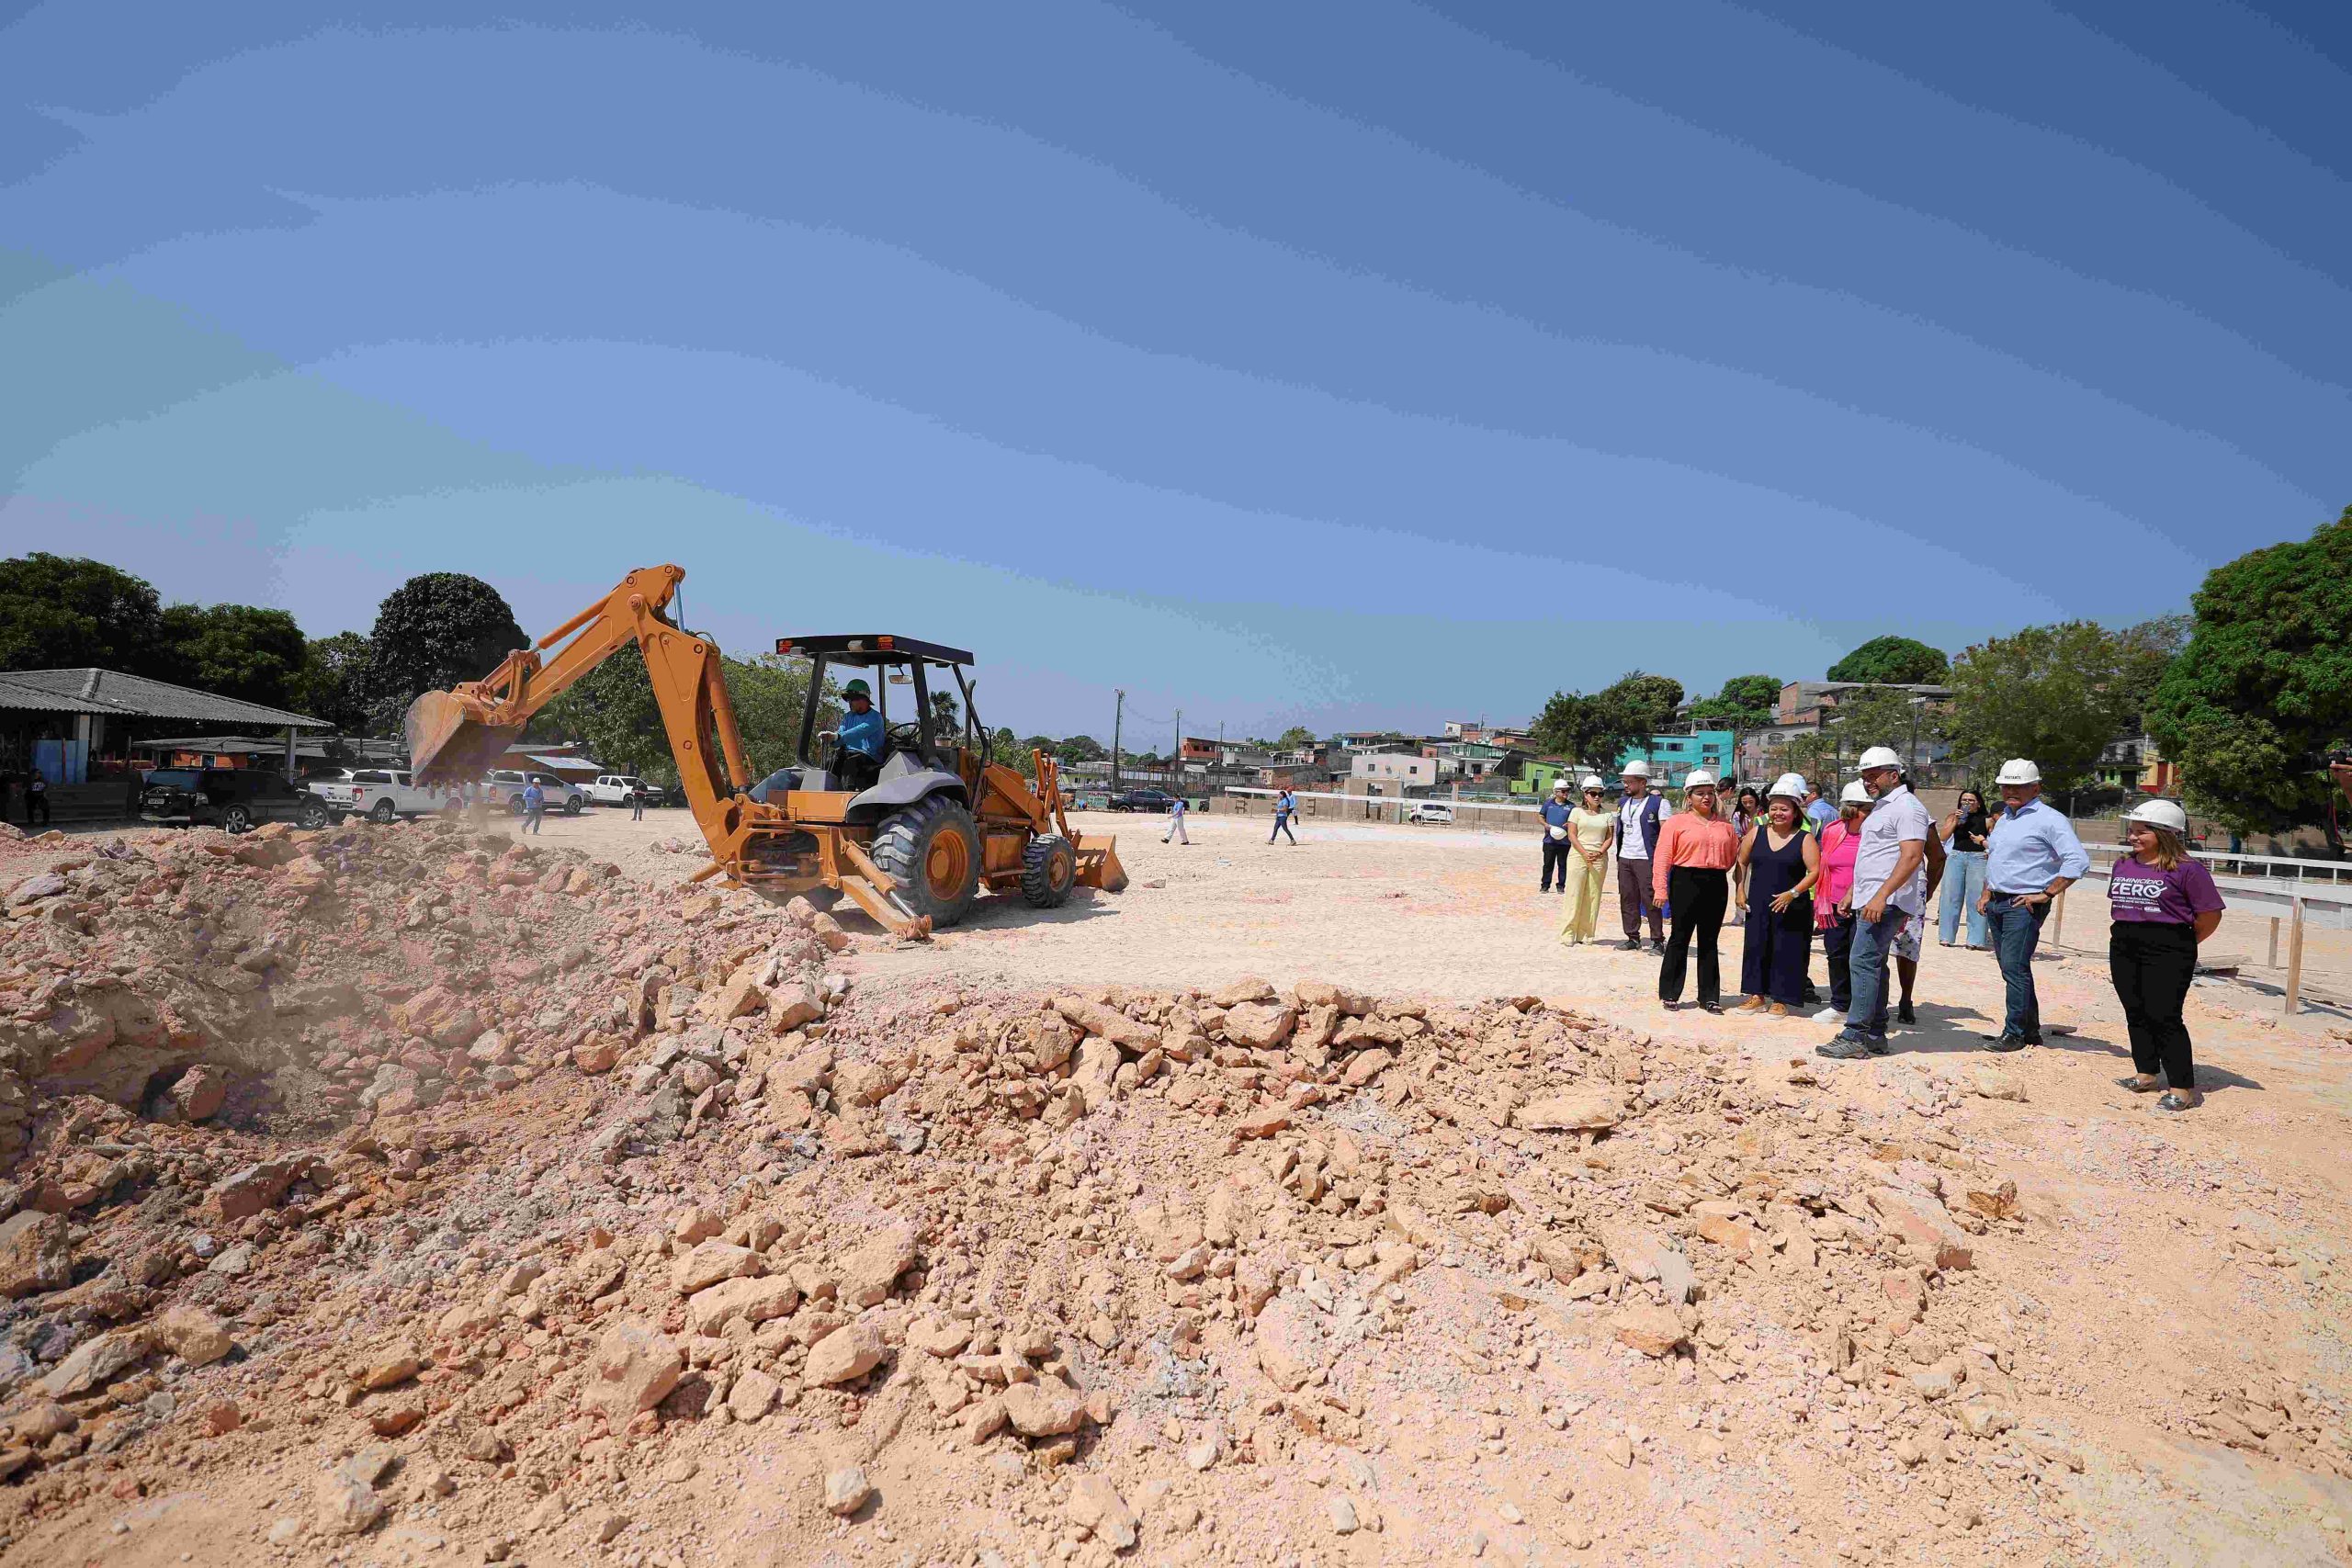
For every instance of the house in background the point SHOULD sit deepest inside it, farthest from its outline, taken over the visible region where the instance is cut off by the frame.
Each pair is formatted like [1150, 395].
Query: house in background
[1391, 773]
[1672, 756]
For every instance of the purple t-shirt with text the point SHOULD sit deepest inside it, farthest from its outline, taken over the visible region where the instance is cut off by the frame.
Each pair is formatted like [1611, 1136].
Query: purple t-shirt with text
[2149, 894]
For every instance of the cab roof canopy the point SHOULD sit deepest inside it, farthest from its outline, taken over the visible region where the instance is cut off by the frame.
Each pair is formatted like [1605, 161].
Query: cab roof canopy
[870, 650]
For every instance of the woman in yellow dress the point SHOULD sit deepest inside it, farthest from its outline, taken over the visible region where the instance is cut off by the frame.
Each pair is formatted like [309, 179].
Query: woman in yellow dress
[1589, 827]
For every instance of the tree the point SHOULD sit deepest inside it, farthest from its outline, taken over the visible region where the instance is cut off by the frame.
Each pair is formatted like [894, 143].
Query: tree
[1590, 730]
[1080, 749]
[1812, 755]
[2263, 691]
[1879, 716]
[2059, 694]
[1005, 749]
[334, 683]
[1648, 702]
[60, 612]
[432, 632]
[1294, 738]
[236, 650]
[611, 711]
[1893, 661]
[769, 693]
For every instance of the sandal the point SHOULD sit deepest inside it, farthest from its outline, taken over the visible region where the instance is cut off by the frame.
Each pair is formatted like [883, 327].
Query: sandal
[2139, 1085]
[2173, 1099]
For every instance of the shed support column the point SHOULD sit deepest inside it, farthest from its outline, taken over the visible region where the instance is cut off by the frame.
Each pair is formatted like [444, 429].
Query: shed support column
[290, 753]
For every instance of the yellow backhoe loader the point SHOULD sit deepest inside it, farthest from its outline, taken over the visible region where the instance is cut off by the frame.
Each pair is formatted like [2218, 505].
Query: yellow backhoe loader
[909, 836]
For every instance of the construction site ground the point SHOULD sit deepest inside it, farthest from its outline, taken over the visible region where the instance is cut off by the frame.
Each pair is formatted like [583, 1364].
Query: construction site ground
[417, 1194]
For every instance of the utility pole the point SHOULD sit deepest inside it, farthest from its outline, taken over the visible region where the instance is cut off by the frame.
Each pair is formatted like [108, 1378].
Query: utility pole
[1117, 713]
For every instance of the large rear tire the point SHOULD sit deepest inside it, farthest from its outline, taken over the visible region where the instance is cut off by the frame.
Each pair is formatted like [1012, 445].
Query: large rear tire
[1049, 871]
[931, 851]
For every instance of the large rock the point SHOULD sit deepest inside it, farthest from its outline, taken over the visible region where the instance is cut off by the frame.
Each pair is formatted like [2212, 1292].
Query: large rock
[710, 1262]
[868, 1272]
[1290, 1347]
[1648, 1256]
[1111, 1024]
[1590, 1110]
[194, 1334]
[850, 1351]
[35, 1255]
[1324, 994]
[1097, 1505]
[636, 1364]
[1925, 1223]
[1047, 1408]
[97, 1363]
[755, 1301]
[1258, 1027]
[1250, 990]
[1651, 1330]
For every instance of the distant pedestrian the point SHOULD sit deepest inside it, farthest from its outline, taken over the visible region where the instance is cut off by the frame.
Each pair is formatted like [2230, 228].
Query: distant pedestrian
[1779, 864]
[1556, 812]
[1691, 870]
[1838, 843]
[1640, 819]
[1817, 812]
[1285, 808]
[637, 804]
[1963, 830]
[535, 806]
[1889, 884]
[1589, 827]
[2164, 903]
[35, 797]
[1176, 822]
[2030, 857]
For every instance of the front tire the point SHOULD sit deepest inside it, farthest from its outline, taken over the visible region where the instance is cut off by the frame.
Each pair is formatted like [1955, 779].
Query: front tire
[313, 817]
[572, 805]
[383, 811]
[931, 851]
[1049, 871]
[236, 819]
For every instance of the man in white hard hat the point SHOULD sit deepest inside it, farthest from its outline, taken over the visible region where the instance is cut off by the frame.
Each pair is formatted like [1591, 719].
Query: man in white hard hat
[2030, 855]
[1639, 813]
[1890, 887]
[1556, 812]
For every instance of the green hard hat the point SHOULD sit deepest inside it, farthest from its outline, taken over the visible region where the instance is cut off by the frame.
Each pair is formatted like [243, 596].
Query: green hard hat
[858, 689]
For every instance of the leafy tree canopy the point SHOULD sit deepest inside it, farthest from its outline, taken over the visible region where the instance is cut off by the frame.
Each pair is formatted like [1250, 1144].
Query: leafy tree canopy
[2263, 691]
[1080, 749]
[1893, 661]
[1292, 738]
[1745, 701]
[2059, 694]
[58, 612]
[237, 650]
[1589, 730]
[1879, 716]
[334, 683]
[432, 632]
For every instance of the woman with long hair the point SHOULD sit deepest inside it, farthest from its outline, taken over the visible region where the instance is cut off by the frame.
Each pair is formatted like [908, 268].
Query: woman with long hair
[1963, 832]
[1746, 812]
[2165, 903]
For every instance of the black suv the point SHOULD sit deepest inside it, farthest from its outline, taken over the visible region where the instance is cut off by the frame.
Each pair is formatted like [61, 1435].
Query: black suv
[1142, 800]
[234, 799]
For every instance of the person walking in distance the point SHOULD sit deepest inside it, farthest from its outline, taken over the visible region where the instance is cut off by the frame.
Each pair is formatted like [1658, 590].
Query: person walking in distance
[1176, 822]
[1890, 887]
[637, 804]
[1779, 864]
[535, 806]
[1589, 827]
[1556, 812]
[1839, 842]
[1285, 808]
[2164, 904]
[1963, 831]
[2030, 857]
[36, 796]
[1640, 816]
[1690, 870]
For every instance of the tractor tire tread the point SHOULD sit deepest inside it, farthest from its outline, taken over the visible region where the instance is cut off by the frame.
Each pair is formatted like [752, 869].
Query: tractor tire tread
[1036, 872]
[897, 850]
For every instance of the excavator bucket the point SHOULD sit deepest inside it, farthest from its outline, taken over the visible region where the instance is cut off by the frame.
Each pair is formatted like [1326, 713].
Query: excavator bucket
[446, 741]
[1098, 862]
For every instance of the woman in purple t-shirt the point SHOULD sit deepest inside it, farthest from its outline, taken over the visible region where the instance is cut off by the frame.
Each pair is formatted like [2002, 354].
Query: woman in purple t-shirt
[2165, 903]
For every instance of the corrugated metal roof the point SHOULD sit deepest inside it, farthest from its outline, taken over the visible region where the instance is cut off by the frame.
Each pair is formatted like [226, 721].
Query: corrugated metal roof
[135, 697]
[553, 764]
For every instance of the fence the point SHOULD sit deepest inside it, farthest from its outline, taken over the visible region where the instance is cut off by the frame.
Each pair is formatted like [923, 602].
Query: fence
[1489, 815]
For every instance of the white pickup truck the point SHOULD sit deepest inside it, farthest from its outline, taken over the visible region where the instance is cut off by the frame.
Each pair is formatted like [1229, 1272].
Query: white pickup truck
[379, 795]
[615, 789]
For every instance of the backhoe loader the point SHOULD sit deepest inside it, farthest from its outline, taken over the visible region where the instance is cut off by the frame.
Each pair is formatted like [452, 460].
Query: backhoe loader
[910, 838]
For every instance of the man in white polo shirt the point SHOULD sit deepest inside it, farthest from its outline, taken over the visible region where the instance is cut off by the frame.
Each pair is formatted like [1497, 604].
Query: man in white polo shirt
[1638, 815]
[1890, 887]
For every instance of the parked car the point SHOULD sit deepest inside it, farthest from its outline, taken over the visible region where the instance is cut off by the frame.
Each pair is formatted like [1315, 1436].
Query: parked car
[378, 794]
[1142, 800]
[232, 798]
[617, 789]
[1428, 811]
[507, 784]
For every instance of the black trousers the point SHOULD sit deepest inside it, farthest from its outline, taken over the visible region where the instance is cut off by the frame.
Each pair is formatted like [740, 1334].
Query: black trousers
[1838, 946]
[2151, 964]
[1699, 898]
[1555, 860]
[36, 802]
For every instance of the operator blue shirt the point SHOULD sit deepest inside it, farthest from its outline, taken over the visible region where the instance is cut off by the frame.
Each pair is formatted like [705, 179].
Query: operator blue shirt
[2031, 845]
[863, 732]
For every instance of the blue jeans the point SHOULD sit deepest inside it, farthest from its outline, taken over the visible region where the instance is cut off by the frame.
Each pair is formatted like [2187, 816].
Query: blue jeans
[532, 818]
[2017, 927]
[1963, 880]
[1866, 972]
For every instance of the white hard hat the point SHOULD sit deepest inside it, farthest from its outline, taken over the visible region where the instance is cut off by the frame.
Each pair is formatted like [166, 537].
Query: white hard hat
[2018, 771]
[2160, 814]
[1854, 793]
[1698, 777]
[1789, 786]
[1560, 783]
[1636, 769]
[1591, 783]
[1880, 757]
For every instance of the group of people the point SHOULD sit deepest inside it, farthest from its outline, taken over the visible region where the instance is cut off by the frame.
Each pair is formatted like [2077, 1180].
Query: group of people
[1859, 874]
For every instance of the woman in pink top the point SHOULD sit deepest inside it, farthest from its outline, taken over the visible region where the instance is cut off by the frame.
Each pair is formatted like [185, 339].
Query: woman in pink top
[1691, 872]
[1839, 841]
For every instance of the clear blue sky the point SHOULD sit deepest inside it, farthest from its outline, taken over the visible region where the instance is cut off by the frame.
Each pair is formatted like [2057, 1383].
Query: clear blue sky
[1351, 364]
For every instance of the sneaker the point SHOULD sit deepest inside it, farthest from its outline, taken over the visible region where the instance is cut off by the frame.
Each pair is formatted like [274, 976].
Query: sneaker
[2007, 1043]
[1845, 1048]
[1877, 1043]
[1904, 1014]
[1629, 946]
[1828, 1015]
[1659, 947]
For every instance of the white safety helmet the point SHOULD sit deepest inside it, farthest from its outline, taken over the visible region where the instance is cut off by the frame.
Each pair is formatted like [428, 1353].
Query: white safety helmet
[2018, 771]
[1880, 757]
[1855, 792]
[1591, 782]
[1788, 786]
[1636, 769]
[2160, 814]
[1561, 784]
[1699, 776]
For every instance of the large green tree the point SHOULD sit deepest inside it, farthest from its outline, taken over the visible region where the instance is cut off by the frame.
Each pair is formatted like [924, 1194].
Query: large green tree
[236, 650]
[1745, 701]
[1892, 661]
[2263, 691]
[2060, 694]
[1591, 728]
[612, 712]
[60, 612]
[333, 684]
[432, 632]
[1294, 737]
[1879, 716]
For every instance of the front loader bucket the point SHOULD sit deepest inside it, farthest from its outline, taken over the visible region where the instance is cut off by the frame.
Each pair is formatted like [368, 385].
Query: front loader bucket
[447, 743]
[1098, 862]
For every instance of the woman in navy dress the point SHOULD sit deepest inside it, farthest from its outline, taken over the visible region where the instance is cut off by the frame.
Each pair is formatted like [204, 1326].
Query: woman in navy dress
[1778, 863]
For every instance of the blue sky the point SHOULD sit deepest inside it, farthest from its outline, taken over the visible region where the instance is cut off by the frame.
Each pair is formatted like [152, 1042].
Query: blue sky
[1349, 365]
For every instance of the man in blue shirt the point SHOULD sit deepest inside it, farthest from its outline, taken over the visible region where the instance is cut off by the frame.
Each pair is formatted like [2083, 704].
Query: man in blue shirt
[2029, 857]
[860, 732]
[1818, 812]
[535, 806]
[1555, 835]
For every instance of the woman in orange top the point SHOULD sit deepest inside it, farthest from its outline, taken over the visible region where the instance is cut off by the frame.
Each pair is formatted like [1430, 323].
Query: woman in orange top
[1691, 872]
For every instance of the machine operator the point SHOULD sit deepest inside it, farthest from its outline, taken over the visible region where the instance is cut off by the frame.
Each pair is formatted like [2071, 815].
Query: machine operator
[861, 727]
